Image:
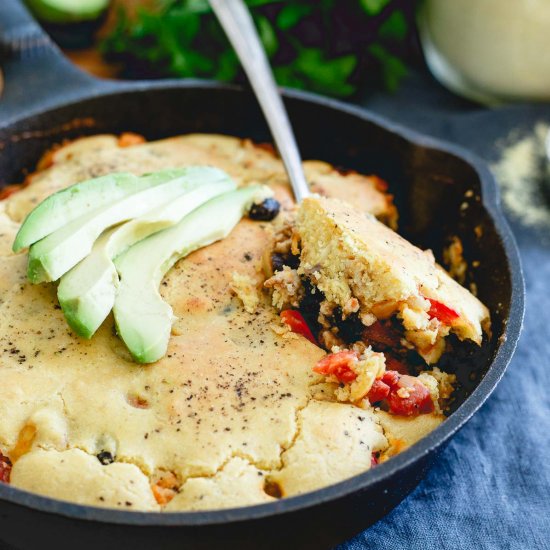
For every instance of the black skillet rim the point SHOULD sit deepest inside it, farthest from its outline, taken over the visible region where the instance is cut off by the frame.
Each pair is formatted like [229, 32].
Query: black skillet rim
[490, 200]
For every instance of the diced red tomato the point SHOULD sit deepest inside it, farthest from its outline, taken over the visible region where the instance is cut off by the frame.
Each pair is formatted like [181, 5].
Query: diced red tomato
[378, 391]
[395, 364]
[381, 335]
[382, 387]
[391, 378]
[410, 397]
[5, 468]
[297, 324]
[405, 395]
[339, 365]
[373, 461]
[345, 375]
[442, 312]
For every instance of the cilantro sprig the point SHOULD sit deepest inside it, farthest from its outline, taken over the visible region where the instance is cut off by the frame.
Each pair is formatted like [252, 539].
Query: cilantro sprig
[334, 47]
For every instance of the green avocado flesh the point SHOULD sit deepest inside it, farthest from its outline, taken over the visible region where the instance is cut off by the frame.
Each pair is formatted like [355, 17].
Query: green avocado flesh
[61, 250]
[87, 292]
[67, 11]
[142, 318]
[82, 198]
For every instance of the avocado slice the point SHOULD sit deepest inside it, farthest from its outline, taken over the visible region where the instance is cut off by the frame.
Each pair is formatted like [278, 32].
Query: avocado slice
[67, 11]
[54, 255]
[142, 317]
[99, 286]
[82, 198]
[87, 292]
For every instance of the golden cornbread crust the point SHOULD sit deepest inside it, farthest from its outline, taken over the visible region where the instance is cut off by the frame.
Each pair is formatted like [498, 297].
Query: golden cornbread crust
[349, 255]
[234, 407]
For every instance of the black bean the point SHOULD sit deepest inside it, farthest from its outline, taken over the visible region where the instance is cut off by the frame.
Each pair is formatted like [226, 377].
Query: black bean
[351, 328]
[311, 300]
[105, 457]
[265, 211]
[277, 262]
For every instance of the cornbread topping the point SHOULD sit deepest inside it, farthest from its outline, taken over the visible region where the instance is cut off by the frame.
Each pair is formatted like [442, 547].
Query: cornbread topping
[285, 371]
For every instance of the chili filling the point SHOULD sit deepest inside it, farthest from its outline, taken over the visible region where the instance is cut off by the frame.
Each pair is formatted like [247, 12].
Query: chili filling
[397, 390]
[5, 468]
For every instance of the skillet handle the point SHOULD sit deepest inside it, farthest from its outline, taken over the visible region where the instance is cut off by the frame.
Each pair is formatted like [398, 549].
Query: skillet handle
[20, 34]
[36, 74]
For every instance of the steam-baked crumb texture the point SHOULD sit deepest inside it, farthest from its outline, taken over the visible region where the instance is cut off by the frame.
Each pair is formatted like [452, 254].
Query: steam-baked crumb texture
[230, 416]
[354, 259]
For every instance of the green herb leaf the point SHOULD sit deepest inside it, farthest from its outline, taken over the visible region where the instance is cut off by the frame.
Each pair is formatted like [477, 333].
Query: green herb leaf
[393, 69]
[292, 14]
[394, 27]
[374, 7]
[312, 45]
[286, 76]
[326, 75]
[228, 66]
[267, 35]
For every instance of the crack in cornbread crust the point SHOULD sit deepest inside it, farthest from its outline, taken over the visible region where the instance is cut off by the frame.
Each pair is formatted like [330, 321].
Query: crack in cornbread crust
[236, 484]
[348, 254]
[314, 461]
[230, 389]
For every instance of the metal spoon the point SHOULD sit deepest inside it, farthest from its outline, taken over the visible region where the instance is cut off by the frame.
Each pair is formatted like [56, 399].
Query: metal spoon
[239, 27]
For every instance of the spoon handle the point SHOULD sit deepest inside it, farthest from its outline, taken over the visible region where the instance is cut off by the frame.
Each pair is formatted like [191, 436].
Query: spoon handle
[239, 27]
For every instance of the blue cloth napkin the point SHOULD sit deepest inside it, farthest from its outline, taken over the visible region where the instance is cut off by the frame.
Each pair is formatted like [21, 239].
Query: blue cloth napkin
[490, 488]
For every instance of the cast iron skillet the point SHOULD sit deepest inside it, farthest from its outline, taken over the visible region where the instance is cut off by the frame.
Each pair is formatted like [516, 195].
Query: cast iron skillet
[47, 100]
